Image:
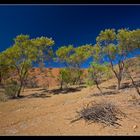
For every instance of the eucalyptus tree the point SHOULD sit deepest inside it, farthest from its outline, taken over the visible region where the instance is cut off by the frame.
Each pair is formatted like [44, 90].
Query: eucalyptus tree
[96, 73]
[23, 54]
[116, 46]
[98, 68]
[130, 67]
[44, 49]
[73, 58]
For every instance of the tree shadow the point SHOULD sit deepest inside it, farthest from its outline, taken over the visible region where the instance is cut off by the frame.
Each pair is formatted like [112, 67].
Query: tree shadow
[105, 93]
[42, 89]
[129, 85]
[37, 95]
[110, 87]
[64, 91]
[137, 83]
[124, 85]
[33, 95]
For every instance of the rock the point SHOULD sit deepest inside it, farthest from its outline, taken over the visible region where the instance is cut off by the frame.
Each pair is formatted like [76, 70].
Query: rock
[18, 110]
[135, 126]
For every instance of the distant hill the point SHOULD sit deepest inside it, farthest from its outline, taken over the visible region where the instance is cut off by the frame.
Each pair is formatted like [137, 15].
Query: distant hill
[48, 77]
[45, 78]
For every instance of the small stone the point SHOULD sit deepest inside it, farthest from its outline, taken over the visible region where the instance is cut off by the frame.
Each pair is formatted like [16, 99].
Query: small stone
[18, 110]
[135, 126]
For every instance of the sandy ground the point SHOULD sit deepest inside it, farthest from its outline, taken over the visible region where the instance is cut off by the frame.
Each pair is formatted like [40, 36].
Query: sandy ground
[50, 114]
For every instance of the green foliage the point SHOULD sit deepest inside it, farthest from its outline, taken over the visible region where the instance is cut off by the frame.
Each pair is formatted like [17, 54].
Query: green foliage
[135, 38]
[11, 89]
[3, 97]
[65, 76]
[23, 54]
[64, 53]
[44, 48]
[116, 46]
[73, 57]
[80, 55]
[97, 72]
[96, 52]
[106, 37]
[111, 51]
[69, 76]
[121, 42]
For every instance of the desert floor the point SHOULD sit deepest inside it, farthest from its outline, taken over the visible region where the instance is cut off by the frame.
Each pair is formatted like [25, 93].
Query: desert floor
[42, 112]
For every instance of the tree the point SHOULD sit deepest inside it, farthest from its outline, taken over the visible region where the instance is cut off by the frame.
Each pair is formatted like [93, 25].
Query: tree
[96, 73]
[23, 54]
[116, 47]
[73, 58]
[63, 55]
[44, 49]
[4, 70]
[64, 77]
[130, 67]
[98, 68]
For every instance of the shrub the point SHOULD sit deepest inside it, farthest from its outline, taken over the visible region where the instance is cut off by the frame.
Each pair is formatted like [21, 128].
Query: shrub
[11, 89]
[70, 76]
[3, 97]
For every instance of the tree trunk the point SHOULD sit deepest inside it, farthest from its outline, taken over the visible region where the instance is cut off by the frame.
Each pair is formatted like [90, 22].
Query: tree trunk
[61, 85]
[97, 85]
[119, 74]
[22, 79]
[137, 89]
[19, 90]
[119, 83]
[0, 78]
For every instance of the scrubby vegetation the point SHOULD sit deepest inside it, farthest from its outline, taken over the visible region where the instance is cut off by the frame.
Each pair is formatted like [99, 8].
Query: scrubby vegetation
[11, 89]
[21, 56]
[96, 73]
[110, 53]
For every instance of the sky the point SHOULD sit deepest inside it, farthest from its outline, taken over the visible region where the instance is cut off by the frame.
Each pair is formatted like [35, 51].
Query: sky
[66, 24]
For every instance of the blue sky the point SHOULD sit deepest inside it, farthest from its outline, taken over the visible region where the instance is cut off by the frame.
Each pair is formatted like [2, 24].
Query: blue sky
[67, 24]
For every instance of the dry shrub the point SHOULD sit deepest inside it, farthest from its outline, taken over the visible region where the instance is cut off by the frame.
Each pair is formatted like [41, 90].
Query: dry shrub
[3, 97]
[103, 112]
[11, 89]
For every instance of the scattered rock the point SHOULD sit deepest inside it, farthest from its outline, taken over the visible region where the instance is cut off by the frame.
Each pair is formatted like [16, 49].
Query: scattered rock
[12, 131]
[18, 110]
[135, 126]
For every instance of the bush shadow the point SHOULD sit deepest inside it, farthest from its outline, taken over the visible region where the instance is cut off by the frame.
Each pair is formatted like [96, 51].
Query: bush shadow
[124, 85]
[66, 90]
[37, 95]
[105, 93]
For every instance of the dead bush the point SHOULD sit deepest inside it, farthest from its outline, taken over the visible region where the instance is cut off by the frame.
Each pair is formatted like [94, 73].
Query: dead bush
[106, 113]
